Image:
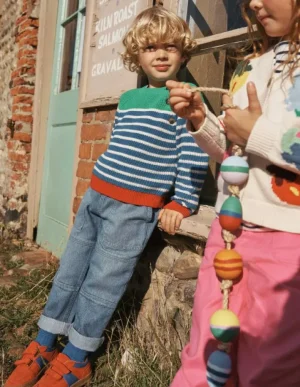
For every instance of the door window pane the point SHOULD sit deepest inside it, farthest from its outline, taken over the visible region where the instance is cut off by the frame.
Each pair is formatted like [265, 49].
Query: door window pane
[68, 55]
[80, 57]
[72, 7]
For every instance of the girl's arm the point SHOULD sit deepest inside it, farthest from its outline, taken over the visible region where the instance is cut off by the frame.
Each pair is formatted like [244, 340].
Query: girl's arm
[204, 126]
[272, 133]
[277, 142]
[210, 136]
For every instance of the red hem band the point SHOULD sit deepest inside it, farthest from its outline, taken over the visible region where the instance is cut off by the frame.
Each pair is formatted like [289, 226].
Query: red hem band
[126, 195]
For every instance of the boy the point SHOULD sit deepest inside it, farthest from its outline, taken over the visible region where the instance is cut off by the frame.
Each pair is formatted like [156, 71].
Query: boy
[150, 155]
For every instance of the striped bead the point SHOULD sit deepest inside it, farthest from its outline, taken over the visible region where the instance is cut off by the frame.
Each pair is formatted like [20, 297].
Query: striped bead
[228, 264]
[224, 325]
[218, 369]
[234, 170]
[230, 216]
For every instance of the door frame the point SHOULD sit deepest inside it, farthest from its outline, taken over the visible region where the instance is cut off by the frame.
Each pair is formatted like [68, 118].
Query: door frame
[82, 84]
[44, 69]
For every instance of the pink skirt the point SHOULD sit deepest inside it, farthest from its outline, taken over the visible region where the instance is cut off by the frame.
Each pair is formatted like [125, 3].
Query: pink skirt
[267, 302]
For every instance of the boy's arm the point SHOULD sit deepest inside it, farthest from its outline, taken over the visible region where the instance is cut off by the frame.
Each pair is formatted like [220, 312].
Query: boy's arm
[192, 167]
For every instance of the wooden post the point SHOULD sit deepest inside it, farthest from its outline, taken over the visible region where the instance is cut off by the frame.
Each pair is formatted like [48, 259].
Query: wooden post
[172, 5]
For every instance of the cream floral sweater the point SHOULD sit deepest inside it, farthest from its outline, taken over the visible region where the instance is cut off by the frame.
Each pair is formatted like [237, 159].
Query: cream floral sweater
[271, 196]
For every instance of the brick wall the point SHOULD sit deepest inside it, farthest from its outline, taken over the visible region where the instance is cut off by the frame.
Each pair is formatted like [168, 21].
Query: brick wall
[15, 139]
[95, 134]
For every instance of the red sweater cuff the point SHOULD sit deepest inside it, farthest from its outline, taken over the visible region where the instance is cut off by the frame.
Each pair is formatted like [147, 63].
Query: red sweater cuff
[179, 208]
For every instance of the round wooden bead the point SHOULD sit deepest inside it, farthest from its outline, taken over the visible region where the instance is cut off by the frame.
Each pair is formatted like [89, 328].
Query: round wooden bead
[228, 264]
[218, 369]
[224, 325]
[231, 212]
[234, 170]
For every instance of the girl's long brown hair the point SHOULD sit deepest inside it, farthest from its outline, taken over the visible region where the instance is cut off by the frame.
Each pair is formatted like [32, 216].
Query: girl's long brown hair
[263, 42]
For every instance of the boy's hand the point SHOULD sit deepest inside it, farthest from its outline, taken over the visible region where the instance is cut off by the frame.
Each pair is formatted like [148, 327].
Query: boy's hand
[239, 123]
[170, 220]
[186, 104]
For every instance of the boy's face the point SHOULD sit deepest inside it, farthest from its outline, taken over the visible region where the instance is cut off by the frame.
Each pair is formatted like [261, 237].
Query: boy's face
[160, 62]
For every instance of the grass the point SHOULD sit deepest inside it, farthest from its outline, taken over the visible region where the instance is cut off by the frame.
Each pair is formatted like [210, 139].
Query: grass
[135, 360]
[131, 357]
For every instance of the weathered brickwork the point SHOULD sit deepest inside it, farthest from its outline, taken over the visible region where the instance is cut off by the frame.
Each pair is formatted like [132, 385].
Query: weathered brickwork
[8, 61]
[95, 134]
[19, 39]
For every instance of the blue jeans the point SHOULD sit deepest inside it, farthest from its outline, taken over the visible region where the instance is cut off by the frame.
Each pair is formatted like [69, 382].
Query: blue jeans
[106, 241]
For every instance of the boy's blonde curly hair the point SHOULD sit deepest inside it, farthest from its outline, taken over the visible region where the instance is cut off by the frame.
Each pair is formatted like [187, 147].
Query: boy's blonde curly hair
[156, 25]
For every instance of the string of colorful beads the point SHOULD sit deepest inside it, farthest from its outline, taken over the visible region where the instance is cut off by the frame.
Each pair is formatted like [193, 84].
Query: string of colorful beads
[224, 324]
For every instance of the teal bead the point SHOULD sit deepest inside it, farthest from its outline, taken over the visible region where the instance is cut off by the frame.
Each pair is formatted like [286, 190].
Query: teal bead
[234, 170]
[232, 207]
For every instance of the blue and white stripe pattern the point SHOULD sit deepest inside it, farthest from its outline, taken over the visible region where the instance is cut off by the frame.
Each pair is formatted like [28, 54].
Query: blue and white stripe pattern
[281, 51]
[191, 168]
[151, 151]
[218, 369]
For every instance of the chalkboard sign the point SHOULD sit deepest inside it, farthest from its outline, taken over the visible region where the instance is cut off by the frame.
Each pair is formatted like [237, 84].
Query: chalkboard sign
[107, 22]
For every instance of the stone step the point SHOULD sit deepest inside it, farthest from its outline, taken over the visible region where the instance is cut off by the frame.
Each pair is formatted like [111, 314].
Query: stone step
[197, 226]
[7, 281]
[33, 259]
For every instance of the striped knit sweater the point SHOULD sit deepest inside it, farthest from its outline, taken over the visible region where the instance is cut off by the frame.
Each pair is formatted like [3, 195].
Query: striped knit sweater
[151, 156]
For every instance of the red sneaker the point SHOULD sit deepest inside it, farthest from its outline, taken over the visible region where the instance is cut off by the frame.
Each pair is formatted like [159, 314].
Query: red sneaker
[64, 372]
[30, 367]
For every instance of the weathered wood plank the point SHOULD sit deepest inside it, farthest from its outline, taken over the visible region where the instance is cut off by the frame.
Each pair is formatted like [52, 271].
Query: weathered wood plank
[221, 41]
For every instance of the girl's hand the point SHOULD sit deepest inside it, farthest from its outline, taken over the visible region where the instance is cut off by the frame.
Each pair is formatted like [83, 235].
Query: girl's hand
[170, 220]
[186, 104]
[239, 123]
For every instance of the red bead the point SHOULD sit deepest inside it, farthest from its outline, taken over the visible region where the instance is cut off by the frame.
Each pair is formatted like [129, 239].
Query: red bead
[230, 223]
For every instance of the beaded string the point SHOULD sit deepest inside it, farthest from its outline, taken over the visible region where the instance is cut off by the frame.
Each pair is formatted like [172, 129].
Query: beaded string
[224, 324]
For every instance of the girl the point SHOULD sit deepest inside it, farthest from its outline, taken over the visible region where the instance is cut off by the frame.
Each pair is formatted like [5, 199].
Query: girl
[264, 119]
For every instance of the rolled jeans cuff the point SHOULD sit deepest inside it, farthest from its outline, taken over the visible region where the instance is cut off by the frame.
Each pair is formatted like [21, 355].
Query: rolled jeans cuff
[90, 344]
[54, 326]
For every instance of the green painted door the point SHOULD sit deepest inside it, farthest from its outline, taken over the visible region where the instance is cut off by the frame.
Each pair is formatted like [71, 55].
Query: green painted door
[55, 204]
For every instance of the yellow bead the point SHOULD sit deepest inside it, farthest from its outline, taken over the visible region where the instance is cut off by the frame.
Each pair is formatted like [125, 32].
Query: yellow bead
[224, 325]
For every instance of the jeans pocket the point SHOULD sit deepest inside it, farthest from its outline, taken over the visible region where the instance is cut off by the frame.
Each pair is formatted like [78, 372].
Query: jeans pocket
[89, 205]
[126, 227]
[80, 217]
